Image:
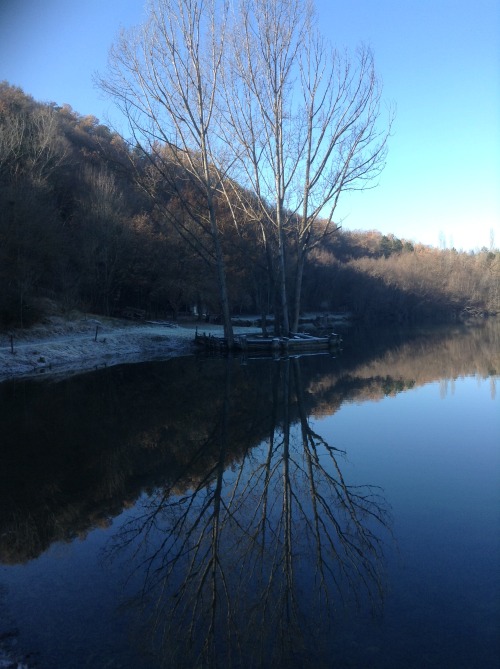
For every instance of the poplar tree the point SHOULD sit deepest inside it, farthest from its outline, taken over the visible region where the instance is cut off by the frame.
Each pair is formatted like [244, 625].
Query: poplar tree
[304, 122]
[164, 76]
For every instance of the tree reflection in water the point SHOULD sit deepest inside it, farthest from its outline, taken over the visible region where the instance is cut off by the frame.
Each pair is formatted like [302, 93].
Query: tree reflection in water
[248, 564]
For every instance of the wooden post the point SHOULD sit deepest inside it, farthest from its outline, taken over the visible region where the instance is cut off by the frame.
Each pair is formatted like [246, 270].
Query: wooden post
[12, 343]
[96, 330]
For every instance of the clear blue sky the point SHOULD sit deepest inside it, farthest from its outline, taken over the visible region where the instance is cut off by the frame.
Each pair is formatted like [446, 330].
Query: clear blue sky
[439, 61]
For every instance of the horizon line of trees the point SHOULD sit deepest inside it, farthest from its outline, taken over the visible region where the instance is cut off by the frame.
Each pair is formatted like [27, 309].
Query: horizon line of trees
[79, 227]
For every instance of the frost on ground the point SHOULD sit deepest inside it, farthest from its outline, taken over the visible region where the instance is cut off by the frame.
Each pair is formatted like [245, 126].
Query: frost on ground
[70, 345]
[63, 346]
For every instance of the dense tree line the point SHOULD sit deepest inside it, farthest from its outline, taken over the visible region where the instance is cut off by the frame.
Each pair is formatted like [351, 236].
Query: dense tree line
[382, 277]
[73, 226]
[79, 227]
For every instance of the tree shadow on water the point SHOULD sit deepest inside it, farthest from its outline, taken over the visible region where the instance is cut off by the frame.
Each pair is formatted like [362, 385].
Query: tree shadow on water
[252, 562]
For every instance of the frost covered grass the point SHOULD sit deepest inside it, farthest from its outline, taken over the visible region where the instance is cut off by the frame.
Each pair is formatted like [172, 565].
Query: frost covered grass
[68, 346]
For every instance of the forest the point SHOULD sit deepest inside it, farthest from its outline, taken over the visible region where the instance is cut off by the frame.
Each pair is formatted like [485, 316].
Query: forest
[80, 229]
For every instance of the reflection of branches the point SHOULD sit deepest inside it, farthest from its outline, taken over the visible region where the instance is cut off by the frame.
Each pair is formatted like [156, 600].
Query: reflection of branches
[360, 546]
[321, 536]
[175, 543]
[251, 561]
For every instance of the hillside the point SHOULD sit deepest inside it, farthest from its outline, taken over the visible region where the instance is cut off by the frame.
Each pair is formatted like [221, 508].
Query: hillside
[78, 228]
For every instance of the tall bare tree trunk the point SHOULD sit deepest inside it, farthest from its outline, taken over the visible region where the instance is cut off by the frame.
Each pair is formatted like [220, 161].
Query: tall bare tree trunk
[165, 78]
[302, 121]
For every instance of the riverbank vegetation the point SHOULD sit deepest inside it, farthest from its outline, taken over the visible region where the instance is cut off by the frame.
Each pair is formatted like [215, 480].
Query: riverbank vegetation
[79, 228]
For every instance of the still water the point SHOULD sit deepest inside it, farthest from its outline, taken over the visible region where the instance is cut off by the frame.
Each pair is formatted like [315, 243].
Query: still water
[310, 512]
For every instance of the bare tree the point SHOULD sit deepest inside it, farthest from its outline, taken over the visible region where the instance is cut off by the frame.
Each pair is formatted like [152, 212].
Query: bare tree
[343, 148]
[303, 121]
[32, 149]
[258, 81]
[164, 77]
[106, 237]
[31, 145]
[266, 114]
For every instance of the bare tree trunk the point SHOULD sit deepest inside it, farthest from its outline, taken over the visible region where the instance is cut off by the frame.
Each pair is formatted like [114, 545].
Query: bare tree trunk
[221, 276]
[165, 78]
[268, 107]
[299, 273]
[285, 325]
[303, 123]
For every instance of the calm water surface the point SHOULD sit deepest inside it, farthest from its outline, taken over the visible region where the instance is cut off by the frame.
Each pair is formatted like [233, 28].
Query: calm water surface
[322, 512]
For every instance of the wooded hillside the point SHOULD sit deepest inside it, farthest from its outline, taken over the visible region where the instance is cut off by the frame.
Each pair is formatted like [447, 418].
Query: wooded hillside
[78, 229]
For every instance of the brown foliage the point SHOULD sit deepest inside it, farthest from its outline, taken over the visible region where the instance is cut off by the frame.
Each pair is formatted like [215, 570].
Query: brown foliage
[78, 225]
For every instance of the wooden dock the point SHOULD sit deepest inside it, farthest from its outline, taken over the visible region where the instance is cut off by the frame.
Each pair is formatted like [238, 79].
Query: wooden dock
[251, 343]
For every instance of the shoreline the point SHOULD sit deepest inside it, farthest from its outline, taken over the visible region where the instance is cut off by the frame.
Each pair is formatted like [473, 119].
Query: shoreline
[73, 344]
[67, 346]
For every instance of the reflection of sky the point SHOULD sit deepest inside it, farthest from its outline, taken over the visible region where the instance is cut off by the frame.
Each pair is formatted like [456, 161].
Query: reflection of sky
[436, 457]
[425, 432]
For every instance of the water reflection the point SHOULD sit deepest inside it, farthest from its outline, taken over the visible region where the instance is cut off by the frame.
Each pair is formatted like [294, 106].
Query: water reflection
[249, 564]
[245, 536]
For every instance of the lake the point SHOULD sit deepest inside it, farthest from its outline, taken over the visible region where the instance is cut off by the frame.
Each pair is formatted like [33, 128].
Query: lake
[310, 512]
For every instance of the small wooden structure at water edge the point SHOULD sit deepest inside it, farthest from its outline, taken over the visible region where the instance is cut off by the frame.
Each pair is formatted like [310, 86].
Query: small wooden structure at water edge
[251, 343]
